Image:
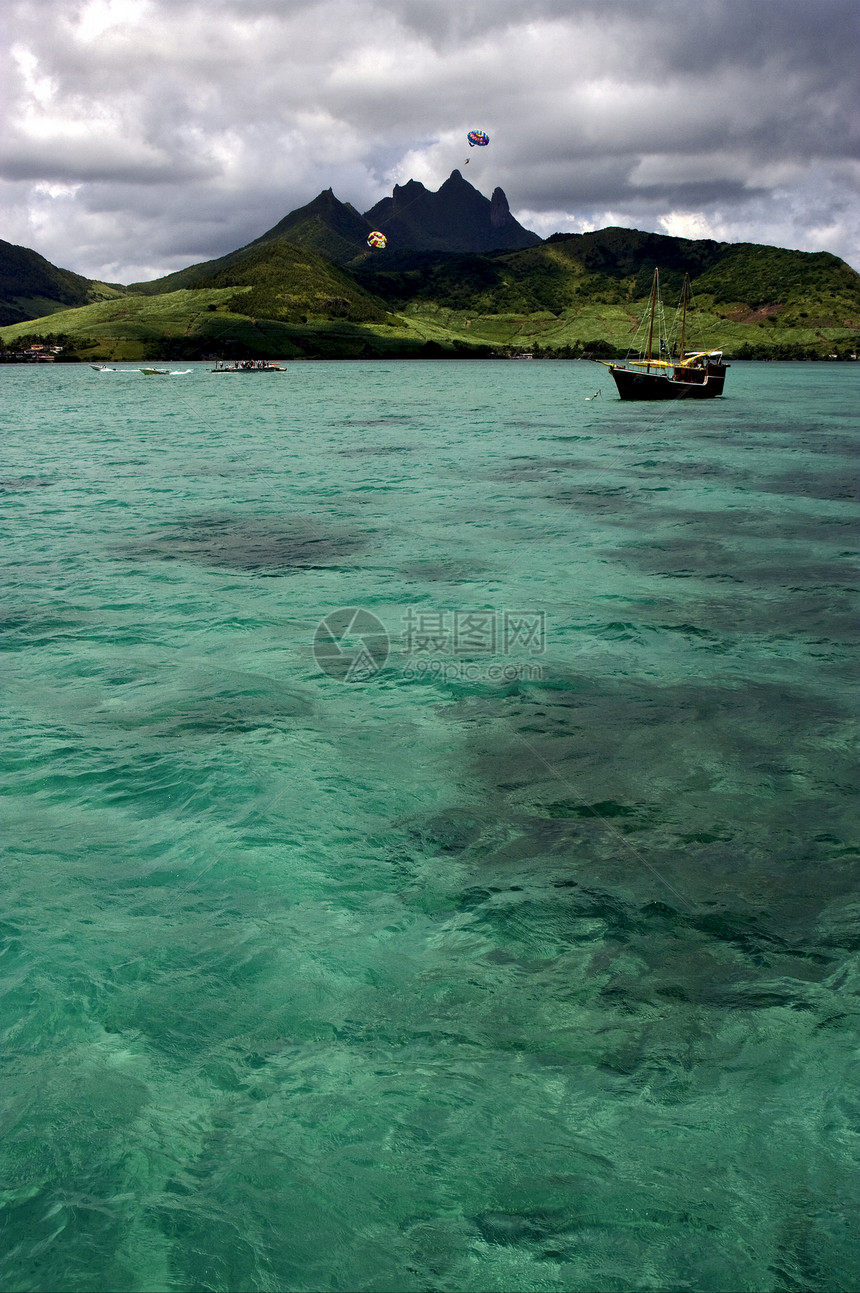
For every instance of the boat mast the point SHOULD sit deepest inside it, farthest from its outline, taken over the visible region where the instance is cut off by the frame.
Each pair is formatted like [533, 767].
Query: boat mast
[654, 290]
[684, 299]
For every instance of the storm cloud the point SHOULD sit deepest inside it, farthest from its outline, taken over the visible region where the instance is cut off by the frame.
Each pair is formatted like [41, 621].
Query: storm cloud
[143, 135]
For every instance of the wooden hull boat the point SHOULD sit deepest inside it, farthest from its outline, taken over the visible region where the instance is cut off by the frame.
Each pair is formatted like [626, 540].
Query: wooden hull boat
[699, 376]
[702, 381]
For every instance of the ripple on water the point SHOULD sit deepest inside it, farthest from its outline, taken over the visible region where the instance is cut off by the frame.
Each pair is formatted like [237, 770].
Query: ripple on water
[433, 984]
[238, 543]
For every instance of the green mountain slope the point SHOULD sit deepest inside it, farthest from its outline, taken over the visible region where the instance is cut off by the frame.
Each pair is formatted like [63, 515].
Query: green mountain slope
[456, 217]
[584, 287]
[332, 229]
[616, 266]
[253, 301]
[774, 278]
[572, 294]
[329, 228]
[292, 284]
[31, 287]
[210, 322]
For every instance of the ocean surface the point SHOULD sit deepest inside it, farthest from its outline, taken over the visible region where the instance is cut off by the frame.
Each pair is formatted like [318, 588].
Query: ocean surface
[500, 931]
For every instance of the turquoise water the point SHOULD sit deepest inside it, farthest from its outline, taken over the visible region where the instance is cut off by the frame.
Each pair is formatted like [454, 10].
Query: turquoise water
[527, 961]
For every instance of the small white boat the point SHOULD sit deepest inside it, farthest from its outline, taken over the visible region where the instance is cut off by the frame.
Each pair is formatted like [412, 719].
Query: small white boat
[102, 368]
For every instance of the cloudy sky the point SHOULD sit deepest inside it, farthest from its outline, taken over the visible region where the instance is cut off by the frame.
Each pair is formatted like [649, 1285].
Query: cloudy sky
[140, 136]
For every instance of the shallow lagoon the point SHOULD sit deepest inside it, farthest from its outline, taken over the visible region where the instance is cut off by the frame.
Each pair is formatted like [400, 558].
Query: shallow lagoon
[527, 961]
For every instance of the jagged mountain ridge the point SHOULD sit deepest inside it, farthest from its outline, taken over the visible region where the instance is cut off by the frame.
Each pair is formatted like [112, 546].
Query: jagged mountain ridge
[456, 218]
[313, 270]
[457, 248]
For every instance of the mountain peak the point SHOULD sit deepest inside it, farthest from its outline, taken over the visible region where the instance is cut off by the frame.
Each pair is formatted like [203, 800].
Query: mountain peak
[325, 225]
[500, 212]
[411, 187]
[455, 218]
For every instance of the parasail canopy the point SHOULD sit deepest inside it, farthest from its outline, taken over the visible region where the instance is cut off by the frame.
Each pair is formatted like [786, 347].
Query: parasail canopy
[376, 239]
[478, 139]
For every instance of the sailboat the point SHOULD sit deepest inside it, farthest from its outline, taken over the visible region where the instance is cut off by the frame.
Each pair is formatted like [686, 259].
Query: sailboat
[698, 376]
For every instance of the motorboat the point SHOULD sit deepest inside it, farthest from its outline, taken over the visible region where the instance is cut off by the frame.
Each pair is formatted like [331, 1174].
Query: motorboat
[248, 366]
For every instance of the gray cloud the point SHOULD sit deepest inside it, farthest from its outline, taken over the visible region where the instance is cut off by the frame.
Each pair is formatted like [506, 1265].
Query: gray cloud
[142, 135]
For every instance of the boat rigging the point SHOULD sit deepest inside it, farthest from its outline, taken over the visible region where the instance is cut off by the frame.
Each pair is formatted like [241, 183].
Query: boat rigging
[697, 376]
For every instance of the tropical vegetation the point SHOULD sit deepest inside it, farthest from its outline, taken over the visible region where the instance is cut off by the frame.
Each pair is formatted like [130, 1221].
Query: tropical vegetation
[310, 287]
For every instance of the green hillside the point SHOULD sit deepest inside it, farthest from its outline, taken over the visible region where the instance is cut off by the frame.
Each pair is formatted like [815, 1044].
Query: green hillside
[789, 282]
[326, 226]
[205, 323]
[280, 281]
[579, 288]
[310, 286]
[185, 277]
[272, 300]
[573, 294]
[331, 229]
[191, 324]
[615, 266]
[30, 286]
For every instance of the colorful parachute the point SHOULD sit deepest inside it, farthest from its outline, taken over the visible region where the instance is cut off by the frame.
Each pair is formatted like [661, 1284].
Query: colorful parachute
[376, 239]
[478, 139]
